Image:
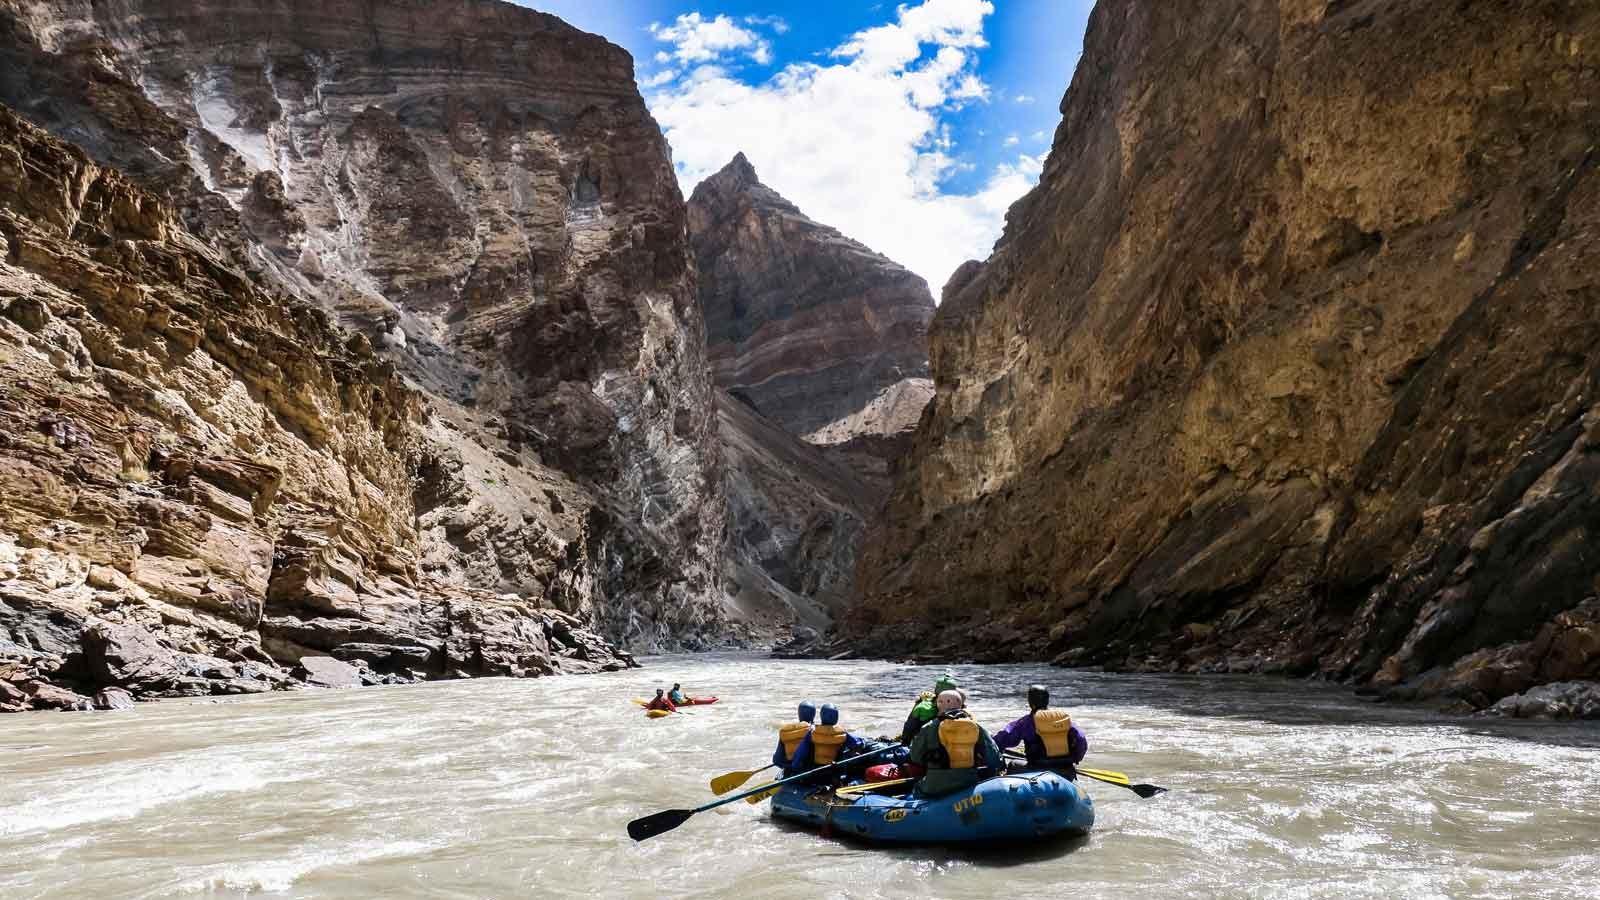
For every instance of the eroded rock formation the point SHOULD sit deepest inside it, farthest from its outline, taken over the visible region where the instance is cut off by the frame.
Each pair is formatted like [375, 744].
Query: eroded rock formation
[796, 522]
[202, 482]
[811, 329]
[821, 345]
[478, 191]
[1291, 362]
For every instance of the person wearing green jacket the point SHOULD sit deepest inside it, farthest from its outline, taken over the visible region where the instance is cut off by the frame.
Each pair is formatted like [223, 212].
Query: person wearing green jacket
[925, 709]
[953, 751]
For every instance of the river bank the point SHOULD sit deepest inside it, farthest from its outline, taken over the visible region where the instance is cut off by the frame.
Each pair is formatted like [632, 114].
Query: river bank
[494, 787]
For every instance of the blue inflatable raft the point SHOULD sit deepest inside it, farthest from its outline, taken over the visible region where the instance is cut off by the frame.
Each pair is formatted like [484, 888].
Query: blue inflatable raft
[1005, 808]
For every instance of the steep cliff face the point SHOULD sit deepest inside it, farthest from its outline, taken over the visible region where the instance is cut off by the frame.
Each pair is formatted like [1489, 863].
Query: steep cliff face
[821, 345]
[1288, 364]
[201, 482]
[479, 191]
[796, 521]
[813, 330]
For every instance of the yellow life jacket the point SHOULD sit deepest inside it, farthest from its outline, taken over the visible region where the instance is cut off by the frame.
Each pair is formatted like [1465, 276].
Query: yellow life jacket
[825, 743]
[791, 734]
[1053, 726]
[959, 737]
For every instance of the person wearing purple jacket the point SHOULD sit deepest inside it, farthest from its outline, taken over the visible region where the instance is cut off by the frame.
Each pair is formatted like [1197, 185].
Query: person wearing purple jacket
[1047, 735]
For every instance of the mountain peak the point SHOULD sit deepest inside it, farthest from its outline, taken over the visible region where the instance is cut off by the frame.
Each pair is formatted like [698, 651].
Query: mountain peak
[740, 170]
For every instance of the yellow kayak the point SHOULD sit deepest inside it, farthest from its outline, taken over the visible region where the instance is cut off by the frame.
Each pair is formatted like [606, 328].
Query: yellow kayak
[656, 713]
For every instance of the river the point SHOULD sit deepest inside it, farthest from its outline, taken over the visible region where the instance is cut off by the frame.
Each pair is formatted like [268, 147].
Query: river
[512, 788]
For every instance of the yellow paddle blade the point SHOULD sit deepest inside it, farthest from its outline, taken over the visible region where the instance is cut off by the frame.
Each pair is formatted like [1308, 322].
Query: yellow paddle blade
[755, 799]
[640, 702]
[725, 783]
[1104, 775]
[864, 788]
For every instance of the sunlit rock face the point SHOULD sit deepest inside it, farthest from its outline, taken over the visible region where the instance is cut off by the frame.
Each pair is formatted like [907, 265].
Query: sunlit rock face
[1288, 364]
[477, 191]
[204, 484]
[811, 329]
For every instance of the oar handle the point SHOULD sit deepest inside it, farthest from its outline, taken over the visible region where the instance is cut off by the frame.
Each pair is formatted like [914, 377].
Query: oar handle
[806, 774]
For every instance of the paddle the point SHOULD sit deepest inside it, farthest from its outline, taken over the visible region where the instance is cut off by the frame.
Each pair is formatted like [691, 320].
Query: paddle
[1117, 778]
[724, 783]
[766, 790]
[666, 820]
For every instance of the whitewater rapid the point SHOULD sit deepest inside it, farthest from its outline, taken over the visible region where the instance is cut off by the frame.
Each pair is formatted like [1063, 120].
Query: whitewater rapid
[512, 788]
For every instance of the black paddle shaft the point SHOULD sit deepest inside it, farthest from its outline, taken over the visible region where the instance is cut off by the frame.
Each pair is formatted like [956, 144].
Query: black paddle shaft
[666, 820]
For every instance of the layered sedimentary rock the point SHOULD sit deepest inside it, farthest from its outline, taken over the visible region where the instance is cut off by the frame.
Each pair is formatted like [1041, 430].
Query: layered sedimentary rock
[478, 191]
[203, 483]
[821, 346]
[1290, 363]
[796, 522]
[813, 330]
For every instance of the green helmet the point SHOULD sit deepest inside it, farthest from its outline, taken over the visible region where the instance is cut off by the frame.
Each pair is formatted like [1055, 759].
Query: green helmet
[946, 682]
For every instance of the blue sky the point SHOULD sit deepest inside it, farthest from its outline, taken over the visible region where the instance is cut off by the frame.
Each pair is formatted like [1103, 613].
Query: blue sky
[910, 127]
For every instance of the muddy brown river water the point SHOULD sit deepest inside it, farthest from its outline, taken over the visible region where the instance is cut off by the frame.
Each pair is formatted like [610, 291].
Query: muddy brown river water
[503, 788]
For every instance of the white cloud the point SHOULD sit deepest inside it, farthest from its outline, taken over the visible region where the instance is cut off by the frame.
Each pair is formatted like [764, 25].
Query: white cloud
[776, 23]
[658, 79]
[1023, 98]
[857, 138]
[696, 39]
[1012, 140]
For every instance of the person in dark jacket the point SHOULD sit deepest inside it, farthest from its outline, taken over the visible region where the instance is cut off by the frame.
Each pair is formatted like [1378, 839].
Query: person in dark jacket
[1048, 736]
[791, 735]
[953, 750]
[825, 745]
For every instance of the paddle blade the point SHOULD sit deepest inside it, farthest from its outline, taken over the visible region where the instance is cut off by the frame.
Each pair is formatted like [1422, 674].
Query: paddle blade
[725, 783]
[640, 702]
[755, 799]
[1147, 790]
[661, 822]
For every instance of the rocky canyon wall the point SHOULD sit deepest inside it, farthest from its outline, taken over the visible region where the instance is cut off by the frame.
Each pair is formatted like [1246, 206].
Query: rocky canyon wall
[821, 346]
[1289, 363]
[811, 329]
[477, 190]
[201, 482]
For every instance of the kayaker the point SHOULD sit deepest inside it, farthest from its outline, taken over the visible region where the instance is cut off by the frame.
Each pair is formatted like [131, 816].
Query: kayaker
[662, 701]
[676, 695]
[953, 750]
[925, 709]
[791, 734]
[826, 744]
[1048, 736]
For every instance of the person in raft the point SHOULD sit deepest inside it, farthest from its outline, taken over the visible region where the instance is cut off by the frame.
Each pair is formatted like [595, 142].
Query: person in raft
[676, 695]
[1046, 735]
[791, 734]
[925, 709]
[825, 745]
[953, 751]
[661, 701]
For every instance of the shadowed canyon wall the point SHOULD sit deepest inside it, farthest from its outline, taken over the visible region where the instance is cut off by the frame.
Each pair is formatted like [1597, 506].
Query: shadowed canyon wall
[821, 346]
[477, 194]
[811, 329]
[1290, 363]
